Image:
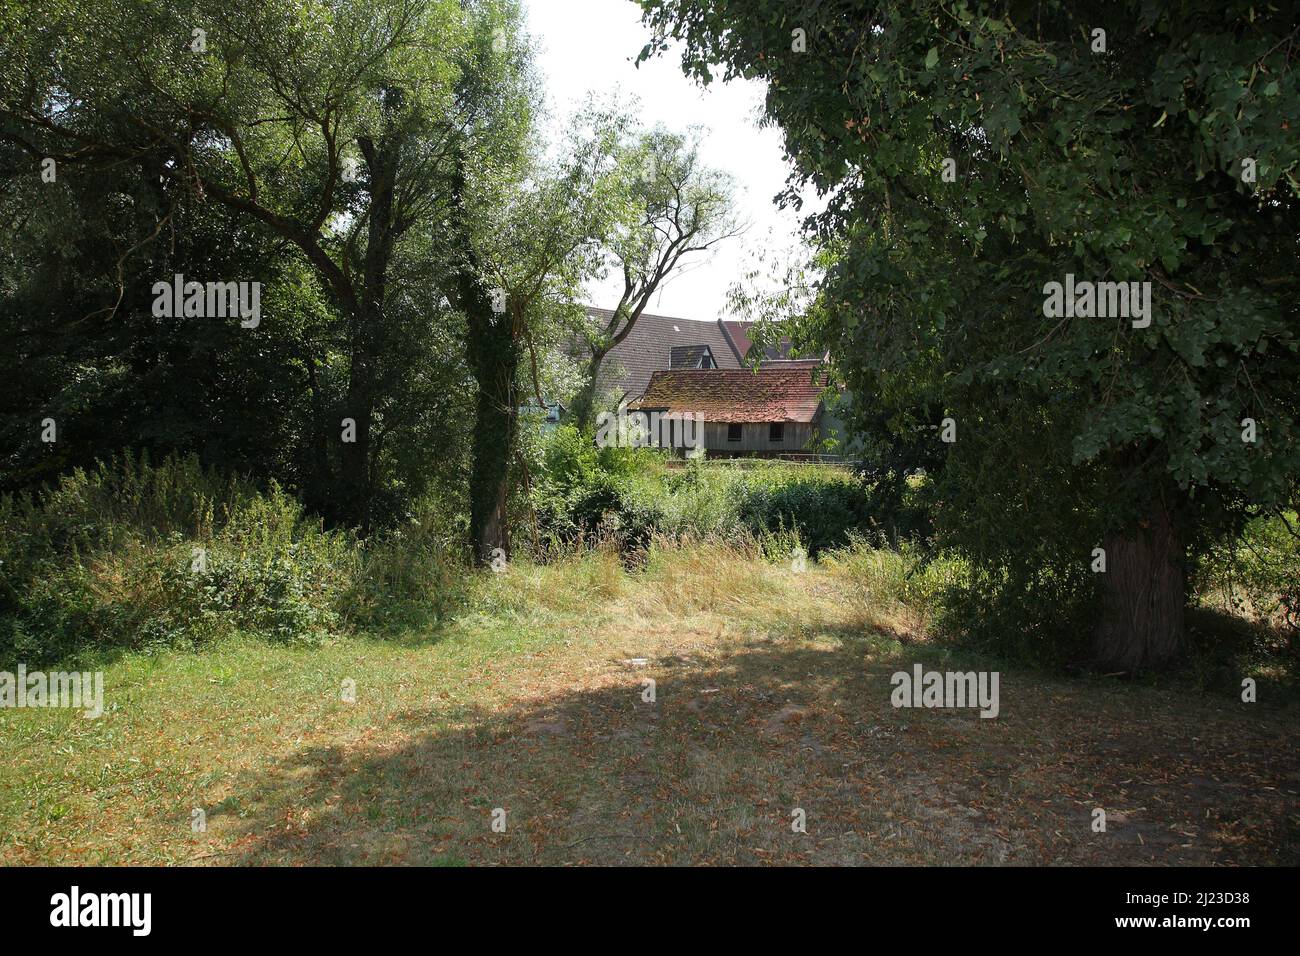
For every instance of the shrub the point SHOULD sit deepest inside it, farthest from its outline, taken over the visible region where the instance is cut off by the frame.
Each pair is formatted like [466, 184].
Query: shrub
[898, 588]
[1256, 575]
[412, 575]
[822, 507]
[630, 495]
[131, 555]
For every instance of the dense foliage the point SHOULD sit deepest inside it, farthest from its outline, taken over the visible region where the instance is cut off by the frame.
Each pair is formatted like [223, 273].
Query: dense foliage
[375, 168]
[972, 154]
[629, 495]
[134, 555]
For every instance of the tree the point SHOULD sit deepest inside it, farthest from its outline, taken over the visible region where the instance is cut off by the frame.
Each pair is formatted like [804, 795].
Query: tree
[525, 235]
[976, 153]
[81, 251]
[329, 126]
[674, 206]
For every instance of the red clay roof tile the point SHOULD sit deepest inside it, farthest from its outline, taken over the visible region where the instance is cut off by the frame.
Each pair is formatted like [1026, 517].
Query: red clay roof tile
[737, 395]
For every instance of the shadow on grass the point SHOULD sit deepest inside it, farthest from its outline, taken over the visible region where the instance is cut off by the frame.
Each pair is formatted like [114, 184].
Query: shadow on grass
[1223, 646]
[736, 742]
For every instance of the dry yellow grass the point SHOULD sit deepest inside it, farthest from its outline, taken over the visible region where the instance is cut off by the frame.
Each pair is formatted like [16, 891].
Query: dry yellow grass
[772, 695]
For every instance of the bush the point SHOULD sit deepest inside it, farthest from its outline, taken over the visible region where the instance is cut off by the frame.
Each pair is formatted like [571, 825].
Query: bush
[132, 555]
[1256, 575]
[824, 508]
[409, 576]
[630, 495]
[583, 491]
[896, 585]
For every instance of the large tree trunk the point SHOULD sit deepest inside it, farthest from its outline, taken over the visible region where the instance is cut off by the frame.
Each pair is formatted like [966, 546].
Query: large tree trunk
[490, 483]
[369, 332]
[321, 479]
[1144, 595]
[492, 346]
[494, 356]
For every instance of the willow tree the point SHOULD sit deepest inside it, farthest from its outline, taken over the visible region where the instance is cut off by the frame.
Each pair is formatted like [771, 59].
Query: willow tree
[525, 234]
[674, 209]
[330, 126]
[974, 154]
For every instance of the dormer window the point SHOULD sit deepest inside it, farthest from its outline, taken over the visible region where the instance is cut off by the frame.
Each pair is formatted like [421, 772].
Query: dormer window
[691, 356]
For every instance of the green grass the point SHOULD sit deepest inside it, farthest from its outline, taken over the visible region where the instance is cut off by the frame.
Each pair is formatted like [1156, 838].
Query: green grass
[772, 693]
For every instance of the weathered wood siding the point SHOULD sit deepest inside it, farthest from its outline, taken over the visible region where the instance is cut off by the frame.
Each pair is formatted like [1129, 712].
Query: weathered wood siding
[754, 438]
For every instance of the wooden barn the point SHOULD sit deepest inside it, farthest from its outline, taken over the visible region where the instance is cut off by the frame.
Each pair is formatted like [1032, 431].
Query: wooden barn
[766, 412]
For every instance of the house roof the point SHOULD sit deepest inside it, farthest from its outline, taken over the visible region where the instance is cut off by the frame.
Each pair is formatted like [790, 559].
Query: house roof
[783, 394]
[687, 356]
[648, 348]
[737, 333]
[659, 342]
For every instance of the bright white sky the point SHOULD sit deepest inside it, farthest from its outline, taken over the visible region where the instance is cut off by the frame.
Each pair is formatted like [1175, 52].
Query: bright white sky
[590, 46]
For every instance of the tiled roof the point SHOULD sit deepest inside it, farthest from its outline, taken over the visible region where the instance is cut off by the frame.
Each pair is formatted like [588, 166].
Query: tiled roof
[660, 342]
[804, 363]
[738, 334]
[648, 348]
[688, 356]
[787, 394]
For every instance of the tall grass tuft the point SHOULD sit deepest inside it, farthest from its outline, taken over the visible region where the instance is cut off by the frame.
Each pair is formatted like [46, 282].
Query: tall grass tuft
[896, 589]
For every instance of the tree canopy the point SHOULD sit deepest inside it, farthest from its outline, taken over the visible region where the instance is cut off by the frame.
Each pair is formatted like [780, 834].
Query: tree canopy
[975, 153]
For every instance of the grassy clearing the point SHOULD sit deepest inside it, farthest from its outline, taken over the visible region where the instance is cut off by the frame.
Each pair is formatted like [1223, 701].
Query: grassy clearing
[772, 693]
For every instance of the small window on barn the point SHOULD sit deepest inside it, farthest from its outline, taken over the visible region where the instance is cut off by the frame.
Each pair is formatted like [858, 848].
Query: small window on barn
[776, 431]
[733, 432]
